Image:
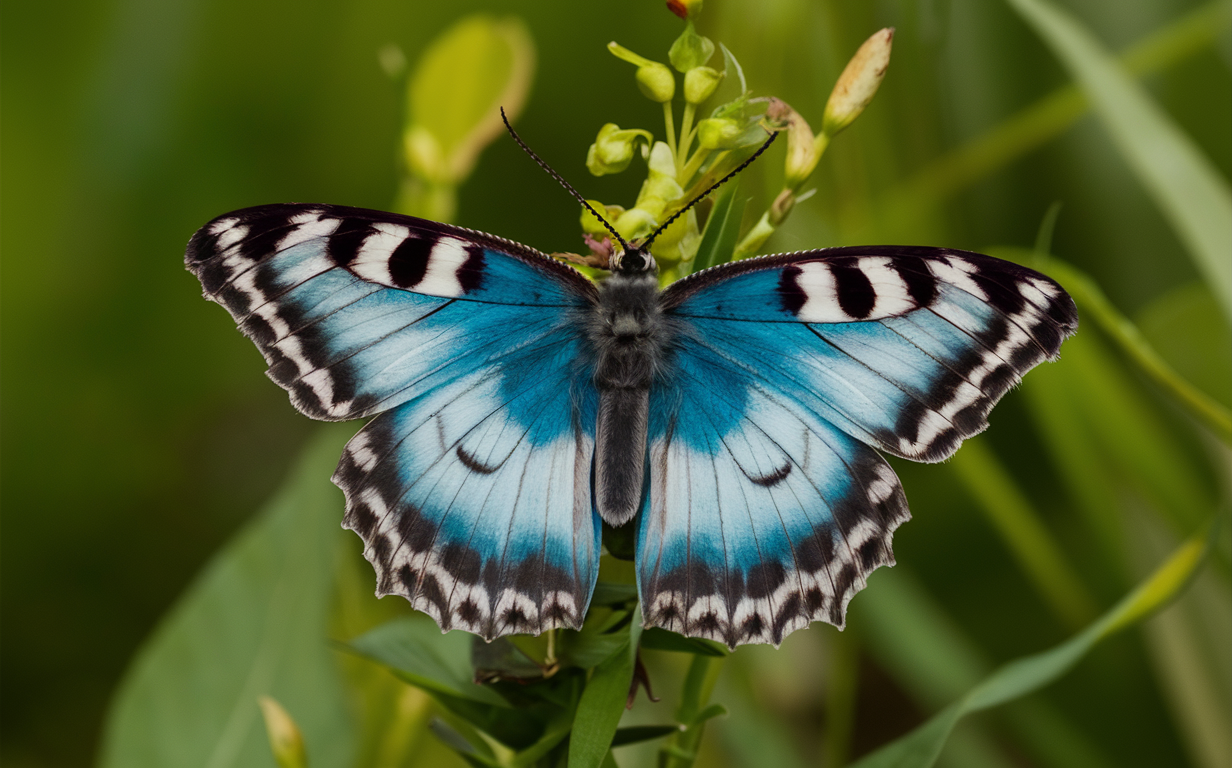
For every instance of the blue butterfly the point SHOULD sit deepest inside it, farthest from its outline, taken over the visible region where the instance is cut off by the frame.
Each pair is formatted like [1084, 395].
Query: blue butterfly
[735, 418]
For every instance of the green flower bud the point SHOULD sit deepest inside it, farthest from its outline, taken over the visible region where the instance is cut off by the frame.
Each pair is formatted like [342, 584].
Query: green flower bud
[690, 50]
[613, 149]
[591, 224]
[700, 82]
[656, 82]
[660, 187]
[719, 133]
[654, 79]
[858, 83]
[635, 223]
[679, 241]
[285, 739]
[424, 154]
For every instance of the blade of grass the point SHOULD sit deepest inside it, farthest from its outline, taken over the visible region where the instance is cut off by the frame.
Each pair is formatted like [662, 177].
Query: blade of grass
[1191, 652]
[921, 747]
[1019, 526]
[1049, 117]
[1094, 304]
[1188, 189]
[911, 635]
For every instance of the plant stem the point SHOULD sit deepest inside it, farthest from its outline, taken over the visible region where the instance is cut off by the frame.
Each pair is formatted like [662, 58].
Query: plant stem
[698, 685]
[669, 123]
[690, 168]
[686, 139]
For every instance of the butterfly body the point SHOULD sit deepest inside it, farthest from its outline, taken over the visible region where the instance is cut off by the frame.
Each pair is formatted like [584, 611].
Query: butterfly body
[735, 418]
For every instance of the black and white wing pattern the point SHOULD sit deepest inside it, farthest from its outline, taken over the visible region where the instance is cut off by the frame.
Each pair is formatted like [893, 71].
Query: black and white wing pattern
[471, 487]
[768, 502]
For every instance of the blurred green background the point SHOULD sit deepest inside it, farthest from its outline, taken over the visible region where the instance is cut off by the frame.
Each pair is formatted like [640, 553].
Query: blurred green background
[139, 432]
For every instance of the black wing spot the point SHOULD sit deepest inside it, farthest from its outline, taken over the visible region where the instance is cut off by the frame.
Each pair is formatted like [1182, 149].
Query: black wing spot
[855, 291]
[769, 480]
[475, 465]
[344, 244]
[409, 262]
[791, 294]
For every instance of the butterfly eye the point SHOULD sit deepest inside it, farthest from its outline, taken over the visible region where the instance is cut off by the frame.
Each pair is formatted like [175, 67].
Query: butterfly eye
[634, 260]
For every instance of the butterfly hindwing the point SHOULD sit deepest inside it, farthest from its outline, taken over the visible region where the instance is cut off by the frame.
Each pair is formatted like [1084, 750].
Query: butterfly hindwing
[768, 506]
[470, 488]
[473, 500]
[761, 516]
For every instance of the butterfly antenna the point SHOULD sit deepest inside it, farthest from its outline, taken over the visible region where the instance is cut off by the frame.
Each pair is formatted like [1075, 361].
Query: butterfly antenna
[646, 245]
[563, 183]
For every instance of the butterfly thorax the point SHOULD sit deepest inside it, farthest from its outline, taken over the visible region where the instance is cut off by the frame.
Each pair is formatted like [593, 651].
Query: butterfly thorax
[630, 338]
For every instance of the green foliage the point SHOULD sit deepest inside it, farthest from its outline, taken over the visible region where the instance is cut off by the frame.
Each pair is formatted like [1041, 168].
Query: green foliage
[138, 431]
[251, 626]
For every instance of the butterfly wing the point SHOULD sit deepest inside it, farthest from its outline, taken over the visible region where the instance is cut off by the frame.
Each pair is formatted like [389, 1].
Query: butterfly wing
[768, 505]
[470, 488]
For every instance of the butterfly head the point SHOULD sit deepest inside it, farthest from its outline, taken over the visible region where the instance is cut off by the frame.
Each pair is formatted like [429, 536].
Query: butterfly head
[633, 260]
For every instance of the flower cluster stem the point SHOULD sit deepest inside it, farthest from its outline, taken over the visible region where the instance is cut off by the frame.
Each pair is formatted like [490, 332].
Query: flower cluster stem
[669, 123]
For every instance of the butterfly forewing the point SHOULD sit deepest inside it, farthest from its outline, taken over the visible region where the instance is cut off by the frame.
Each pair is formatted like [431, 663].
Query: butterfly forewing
[471, 486]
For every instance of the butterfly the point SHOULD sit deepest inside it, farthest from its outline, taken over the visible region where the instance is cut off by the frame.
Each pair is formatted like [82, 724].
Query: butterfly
[737, 418]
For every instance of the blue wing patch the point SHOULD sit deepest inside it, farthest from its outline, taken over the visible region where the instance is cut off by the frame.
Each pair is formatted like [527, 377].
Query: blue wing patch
[471, 488]
[768, 506]
[473, 499]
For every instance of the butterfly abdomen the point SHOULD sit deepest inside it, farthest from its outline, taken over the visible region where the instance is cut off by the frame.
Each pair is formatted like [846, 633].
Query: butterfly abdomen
[630, 339]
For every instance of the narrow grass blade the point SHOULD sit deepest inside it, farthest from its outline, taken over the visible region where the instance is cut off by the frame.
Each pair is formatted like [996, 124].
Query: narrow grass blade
[1188, 189]
[1008, 509]
[921, 747]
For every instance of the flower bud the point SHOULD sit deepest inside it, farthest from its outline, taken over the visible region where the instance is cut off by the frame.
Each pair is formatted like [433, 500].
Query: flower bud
[685, 9]
[656, 82]
[803, 149]
[699, 84]
[719, 133]
[613, 149]
[591, 224]
[654, 79]
[424, 154]
[858, 83]
[635, 223]
[286, 741]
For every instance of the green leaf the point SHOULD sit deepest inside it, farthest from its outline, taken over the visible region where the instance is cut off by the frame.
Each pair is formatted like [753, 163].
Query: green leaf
[596, 641]
[921, 747]
[421, 654]
[613, 593]
[252, 624]
[690, 49]
[722, 229]
[603, 703]
[473, 750]
[1188, 189]
[638, 733]
[659, 639]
